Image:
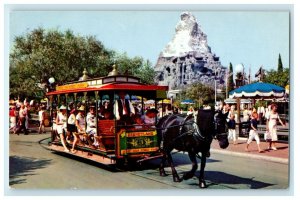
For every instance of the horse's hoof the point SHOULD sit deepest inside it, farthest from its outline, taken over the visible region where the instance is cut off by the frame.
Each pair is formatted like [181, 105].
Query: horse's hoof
[202, 184]
[176, 179]
[163, 174]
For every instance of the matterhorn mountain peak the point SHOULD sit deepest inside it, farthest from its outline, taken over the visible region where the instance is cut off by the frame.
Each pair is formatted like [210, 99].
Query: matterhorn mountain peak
[188, 37]
[187, 58]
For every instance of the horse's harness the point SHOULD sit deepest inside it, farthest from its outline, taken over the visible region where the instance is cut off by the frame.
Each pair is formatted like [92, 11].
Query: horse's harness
[195, 132]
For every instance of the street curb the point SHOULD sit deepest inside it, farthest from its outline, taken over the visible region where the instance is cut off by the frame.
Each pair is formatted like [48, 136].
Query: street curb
[252, 156]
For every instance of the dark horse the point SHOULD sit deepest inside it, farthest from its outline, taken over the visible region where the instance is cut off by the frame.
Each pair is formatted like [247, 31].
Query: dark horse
[184, 134]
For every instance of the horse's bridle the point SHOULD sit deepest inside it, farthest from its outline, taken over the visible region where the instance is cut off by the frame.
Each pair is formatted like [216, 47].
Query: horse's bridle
[220, 135]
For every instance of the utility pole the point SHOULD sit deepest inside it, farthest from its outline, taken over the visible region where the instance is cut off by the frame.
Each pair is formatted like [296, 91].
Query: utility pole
[215, 87]
[243, 74]
[249, 77]
[215, 91]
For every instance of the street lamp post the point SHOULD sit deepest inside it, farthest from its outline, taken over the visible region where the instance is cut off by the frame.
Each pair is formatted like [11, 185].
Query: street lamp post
[51, 81]
[215, 86]
[215, 91]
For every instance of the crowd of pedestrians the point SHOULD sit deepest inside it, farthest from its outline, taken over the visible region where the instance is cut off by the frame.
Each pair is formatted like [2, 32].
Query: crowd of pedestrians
[71, 128]
[253, 117]
[20, 114]
[25, 114]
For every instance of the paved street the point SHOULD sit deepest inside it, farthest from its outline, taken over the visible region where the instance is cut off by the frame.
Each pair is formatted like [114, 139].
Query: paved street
[34, 167]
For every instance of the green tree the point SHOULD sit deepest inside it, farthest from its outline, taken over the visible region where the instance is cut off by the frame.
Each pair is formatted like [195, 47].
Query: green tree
[146, 73]
[278, 78]
[280, 67]
[40, 54]
[135, 67]
[199, 93]
[230, 82]
[126, 65]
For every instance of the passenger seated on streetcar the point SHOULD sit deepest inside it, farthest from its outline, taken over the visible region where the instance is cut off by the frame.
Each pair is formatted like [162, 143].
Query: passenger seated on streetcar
[80, 124]
[138, 122]
[107, 109]
[150, 117]
[108, 115]
[123, 109]
[91, 131]
[71, 126]
[61, 125]
[138, 109]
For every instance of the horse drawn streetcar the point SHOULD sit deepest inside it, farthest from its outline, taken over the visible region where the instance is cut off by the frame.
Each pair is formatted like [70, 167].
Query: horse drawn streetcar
[115, 138]
[113, 124]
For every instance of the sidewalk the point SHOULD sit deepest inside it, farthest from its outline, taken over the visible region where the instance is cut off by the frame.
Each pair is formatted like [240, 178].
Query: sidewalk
[281, 155]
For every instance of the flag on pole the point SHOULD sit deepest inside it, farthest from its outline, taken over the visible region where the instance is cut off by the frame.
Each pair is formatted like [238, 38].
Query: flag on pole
[259, 72]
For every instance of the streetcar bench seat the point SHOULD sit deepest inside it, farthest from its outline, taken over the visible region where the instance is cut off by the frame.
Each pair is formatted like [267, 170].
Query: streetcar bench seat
[79, 133]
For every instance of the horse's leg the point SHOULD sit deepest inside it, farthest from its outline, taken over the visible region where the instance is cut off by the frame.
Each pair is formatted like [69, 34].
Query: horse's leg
[174, 172]
[202, 183]
[191, 173]
[162, 166]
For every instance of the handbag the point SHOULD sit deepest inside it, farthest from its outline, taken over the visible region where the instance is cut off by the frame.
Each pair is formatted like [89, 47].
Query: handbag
[267, 136]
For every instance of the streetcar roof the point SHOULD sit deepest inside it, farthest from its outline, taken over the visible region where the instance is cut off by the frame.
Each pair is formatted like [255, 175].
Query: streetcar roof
[109, 83]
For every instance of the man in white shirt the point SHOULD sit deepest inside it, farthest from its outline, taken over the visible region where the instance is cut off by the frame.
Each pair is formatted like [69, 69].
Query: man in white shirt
[261, 114]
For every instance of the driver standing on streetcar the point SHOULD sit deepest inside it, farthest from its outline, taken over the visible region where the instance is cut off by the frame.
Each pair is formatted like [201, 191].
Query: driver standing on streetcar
[123, 109]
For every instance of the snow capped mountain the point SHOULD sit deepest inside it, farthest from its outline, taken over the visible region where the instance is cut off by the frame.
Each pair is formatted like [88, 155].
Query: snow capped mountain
[187, 58]
[188, 37]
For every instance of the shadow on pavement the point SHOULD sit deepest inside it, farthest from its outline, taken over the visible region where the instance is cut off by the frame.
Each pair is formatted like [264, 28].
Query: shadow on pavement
[179, 159]
[20, 167]
[222, 178]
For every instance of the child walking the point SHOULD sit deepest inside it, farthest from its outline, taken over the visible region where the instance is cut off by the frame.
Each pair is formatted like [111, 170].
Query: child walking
[231, 129]
[253, 132]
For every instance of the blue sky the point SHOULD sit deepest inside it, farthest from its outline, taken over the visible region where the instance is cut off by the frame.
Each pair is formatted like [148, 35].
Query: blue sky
[253, 38]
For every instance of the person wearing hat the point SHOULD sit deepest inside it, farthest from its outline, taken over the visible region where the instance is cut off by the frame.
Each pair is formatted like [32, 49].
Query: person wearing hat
[61, 125]
[123, 109]
[80, 124]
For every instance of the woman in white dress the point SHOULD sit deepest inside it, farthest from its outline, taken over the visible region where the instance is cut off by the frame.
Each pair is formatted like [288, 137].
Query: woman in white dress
[272, 125]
